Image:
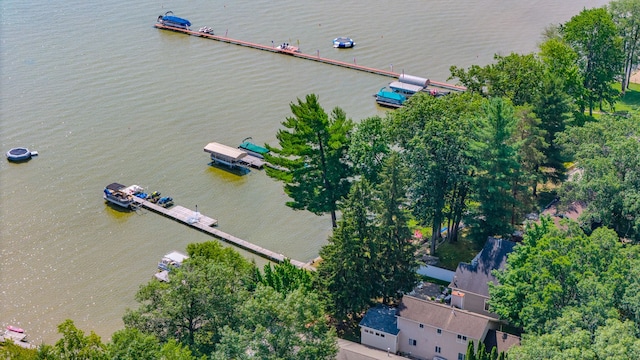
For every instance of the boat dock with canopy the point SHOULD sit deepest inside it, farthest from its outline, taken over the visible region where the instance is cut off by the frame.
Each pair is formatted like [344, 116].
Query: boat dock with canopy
[231, 157]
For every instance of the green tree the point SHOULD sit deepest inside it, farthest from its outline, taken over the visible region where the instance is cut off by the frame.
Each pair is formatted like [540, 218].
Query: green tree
[285, 277]
[75, 345]
[370, 143]
[531, 148]
[346, 274]
[312, 158]
[569, 340]
[397, 268]
[561, 65]
[434, 135]
[213, 251]
[554, 271]
[515, 77]
[626, 15]
[278, 326]
[471, 351]
[607, 181]
[131, 344]
[554, 108]
[192, 308]
[498, 172]
[9, 350]
[594, 37]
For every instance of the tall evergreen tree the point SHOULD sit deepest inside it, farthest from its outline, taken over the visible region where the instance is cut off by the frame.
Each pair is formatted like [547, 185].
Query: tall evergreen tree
[312, 158]
[347, 274]
[498, 169]
[397, 263]
[553, 106]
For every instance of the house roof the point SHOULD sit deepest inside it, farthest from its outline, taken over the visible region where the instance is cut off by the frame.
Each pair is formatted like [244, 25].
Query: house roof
[501, 340]
[381, 318]
[444, 317]
[475, 277]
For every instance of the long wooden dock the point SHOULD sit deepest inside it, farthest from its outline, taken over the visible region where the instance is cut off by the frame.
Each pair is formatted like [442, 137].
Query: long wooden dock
[206, 224]
[301, 55]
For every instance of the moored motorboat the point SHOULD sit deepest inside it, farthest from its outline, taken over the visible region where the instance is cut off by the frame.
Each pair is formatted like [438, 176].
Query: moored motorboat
[15, 329]
[173, 21]
[390, 98]
[115, 193]
[206, 30]
[253, 149]
[343, 42]
[172, 260]
[288, 47]
[19, 154]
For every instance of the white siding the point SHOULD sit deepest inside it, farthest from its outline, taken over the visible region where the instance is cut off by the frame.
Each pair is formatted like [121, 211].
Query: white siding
[379, 340]
[426, 339]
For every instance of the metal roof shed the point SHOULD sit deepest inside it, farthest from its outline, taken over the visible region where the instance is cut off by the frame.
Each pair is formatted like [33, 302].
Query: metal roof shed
[404, 88]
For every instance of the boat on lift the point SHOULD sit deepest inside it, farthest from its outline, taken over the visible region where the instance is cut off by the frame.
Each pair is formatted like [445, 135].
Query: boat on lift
[253, 149]
[115, 193]
[173, 21]
[390, 98]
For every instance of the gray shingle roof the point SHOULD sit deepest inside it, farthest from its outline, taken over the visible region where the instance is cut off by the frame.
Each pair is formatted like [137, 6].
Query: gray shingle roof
[444, 317]
[475, 277]
[381, 318]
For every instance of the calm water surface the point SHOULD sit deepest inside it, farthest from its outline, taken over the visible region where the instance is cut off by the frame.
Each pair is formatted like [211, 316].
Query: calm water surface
[103, 96]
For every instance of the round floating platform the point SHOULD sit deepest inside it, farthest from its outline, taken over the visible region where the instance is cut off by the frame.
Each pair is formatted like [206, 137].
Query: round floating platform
[18, 154]
[343, 42]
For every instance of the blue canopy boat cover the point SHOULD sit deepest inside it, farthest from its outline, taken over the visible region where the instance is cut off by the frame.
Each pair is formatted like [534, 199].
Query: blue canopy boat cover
[176, 20]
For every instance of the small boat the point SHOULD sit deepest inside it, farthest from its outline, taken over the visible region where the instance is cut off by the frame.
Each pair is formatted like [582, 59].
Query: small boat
[15, 329]
[390, 98]
[17, 336]
[19, 154]
[115, 193]
[253, 149]
[206, 30]
[343, 42]
[172, 260]
[288, 47]
[173, 21]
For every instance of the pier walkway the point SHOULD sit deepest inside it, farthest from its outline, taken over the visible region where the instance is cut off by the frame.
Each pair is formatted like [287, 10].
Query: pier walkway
[317, 57]
[206, 224]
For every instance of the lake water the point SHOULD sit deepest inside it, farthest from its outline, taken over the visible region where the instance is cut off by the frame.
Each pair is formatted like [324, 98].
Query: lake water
[105, 97]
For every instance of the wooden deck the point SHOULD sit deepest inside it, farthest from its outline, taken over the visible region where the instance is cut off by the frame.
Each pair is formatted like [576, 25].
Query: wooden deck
[315, 57]
[207, 225]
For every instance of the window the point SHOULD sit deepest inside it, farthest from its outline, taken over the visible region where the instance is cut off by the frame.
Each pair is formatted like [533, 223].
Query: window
[412, 342]
[438, 349]
[421, 326]
[460, 356]
[367, 331]
[381, 335]
[486, 305]
[461, 338]
[439, 331]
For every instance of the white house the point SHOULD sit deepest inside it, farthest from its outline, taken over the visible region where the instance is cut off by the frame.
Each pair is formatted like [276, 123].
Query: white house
[431, 330]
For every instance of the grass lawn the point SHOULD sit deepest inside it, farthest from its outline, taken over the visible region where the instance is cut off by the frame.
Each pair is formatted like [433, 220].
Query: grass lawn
[451, 254]
[631, 99]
